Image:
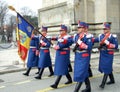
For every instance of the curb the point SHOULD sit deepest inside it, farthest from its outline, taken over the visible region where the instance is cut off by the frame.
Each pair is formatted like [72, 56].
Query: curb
[12, 70]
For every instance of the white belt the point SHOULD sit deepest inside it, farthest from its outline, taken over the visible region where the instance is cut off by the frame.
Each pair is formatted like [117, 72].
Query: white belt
[44, 48]
[66, 49]
[106, 49]
[109, 49]
[32, 47]
[81, 51]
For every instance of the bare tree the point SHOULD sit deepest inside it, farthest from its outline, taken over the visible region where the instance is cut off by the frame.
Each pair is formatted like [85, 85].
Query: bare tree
[26, 11]
[3, 12]
[30, 15]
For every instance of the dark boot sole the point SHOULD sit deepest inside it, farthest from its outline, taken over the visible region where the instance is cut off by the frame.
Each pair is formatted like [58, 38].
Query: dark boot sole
[109, 83]
[25, 74]
[38, 78]
[53, 86]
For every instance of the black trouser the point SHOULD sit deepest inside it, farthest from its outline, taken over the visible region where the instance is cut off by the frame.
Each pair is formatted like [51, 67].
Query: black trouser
[90, 71]
[111, 76]
[59, 78]
[51, 70]
[104, 81]
[27, 72]
[70, 67]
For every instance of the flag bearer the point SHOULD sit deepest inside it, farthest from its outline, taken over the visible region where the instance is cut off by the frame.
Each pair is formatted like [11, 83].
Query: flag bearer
[33, 53]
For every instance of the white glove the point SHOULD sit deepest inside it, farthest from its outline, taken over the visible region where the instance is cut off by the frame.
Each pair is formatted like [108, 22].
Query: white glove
[53, 45]
[60, 40]
[41, 41]
[56, 47]
[106, 42]
[79, 42]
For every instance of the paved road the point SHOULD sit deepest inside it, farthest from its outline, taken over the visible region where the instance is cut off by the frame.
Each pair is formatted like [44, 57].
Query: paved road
[16, 82]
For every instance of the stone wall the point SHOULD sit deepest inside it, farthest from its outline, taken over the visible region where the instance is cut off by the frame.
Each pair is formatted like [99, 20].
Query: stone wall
[113, 14]
[68, 12]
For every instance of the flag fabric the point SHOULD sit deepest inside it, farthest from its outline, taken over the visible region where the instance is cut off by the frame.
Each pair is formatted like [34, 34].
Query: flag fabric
[24, 31]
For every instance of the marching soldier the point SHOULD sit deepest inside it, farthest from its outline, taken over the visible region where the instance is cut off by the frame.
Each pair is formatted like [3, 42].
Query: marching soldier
[62, 60]
[45, 59]
[82, 51]
[33, 53]
[108, 42]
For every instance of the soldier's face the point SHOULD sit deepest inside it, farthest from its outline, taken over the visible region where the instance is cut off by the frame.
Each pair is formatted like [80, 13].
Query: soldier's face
[34, 32]
[81, 29]
[62, 32]
[106, 30]
[44, 33]
[86, 29]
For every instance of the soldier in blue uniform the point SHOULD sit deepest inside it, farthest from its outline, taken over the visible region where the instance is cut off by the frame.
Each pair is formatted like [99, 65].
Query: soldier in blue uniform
[108, 42]
[45, 59]
[62, 60]
[33, 53]
[82, 57]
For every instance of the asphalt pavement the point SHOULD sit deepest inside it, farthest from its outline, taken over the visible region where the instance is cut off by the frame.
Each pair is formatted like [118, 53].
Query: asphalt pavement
[17, 82]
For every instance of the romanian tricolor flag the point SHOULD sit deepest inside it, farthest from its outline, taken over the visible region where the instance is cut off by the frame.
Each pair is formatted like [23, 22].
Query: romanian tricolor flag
[24, 31]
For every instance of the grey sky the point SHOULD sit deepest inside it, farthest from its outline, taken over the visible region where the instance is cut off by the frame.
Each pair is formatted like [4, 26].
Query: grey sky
[34, 5]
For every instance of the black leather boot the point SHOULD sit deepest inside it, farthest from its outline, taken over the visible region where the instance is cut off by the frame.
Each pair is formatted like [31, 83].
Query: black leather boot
[51, 71]
[55, 85]
[70, 67]
[104, 81]
[112, 81]
[88, 86]
[40, 74]
[90, 71]
[77, 87]
[38, 71]
[27, 72]
[69, 79]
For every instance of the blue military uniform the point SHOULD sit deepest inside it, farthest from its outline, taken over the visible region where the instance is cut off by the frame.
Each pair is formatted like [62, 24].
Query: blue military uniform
[32, 57]
[44, 59]
[107, 54]
[82, 58]
[62, 60]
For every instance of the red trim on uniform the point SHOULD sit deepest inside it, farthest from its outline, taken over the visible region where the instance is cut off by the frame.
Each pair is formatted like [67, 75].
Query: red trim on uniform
[111, 46]
[65, 41]
[63, 52]
[46, 51]
[93, 39]
[85, 55]
[37, 52]
[72, 36]
[83, 46]
[111, 52]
